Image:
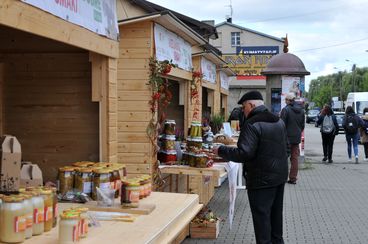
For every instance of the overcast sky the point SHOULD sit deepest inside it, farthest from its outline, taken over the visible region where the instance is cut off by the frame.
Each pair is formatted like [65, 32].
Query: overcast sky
[322, 33]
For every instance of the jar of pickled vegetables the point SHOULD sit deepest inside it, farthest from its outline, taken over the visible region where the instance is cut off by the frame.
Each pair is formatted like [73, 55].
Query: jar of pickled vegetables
[116, 180]
[169, 127]
[83, 180]
[168, 142]
[13, 222]
[48, 210]
[201, 160]
[195, 129]
[66, 179]
[68, 228]
[101, 179]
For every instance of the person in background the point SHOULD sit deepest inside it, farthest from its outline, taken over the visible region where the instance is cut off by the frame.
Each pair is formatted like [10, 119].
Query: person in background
[329, 129]
[293, 116]
[351, 123]
[262, 149]
[237, 114]
[364, 133]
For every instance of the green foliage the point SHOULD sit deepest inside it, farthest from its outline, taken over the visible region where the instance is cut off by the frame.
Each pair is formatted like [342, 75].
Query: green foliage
[216, 122]
[322, 89]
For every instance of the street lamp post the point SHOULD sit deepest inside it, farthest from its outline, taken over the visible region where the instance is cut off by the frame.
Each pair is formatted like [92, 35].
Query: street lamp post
[340, 81]
[353, 68]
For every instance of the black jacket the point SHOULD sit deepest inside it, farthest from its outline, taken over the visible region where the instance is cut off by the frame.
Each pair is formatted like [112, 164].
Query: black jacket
[262, 148]
[294, 119]
[358, 120]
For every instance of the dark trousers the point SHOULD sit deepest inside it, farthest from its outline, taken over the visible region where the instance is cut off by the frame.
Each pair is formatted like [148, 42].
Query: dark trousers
[266, 206]
[365, 145]
[294, 155]
[327, 143]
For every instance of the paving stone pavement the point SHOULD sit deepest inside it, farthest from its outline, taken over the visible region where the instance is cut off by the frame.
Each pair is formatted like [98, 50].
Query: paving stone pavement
[329, 204]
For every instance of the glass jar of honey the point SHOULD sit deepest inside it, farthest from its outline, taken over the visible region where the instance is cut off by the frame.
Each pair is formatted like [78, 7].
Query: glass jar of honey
[38, 212]
[28, 214]
[13, 222]
[48, 210]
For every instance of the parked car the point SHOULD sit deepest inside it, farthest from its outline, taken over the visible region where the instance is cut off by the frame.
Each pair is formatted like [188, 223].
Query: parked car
[311, 116]
[339, 118]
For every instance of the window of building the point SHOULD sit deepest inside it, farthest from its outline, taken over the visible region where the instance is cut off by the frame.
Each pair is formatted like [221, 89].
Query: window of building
[235, 39]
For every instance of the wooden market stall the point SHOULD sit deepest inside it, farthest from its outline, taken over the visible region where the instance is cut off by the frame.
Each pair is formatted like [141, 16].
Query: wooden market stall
[58, 88]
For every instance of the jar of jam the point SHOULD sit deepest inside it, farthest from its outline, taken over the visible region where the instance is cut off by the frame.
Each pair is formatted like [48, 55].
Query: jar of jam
[169, 127]
[38, 212]
[66, 179]
[130, 193]
[101, 179]
[83, 180]
[68, 228]
[167, 157]
[48, 210]
[13, 222]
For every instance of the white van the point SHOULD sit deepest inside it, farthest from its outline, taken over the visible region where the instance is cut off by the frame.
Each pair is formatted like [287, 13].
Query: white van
[358, 100]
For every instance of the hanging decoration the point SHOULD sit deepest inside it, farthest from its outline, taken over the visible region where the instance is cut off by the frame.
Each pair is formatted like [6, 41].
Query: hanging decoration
[160, 98]
[194, 93]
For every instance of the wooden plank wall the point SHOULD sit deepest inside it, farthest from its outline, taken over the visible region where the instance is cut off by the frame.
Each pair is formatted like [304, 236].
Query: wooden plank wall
[134, 147]
[47, 106]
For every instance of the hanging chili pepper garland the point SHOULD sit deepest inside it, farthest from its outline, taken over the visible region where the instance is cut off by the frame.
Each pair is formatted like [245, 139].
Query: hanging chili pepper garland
[160, 98]
[194, 92]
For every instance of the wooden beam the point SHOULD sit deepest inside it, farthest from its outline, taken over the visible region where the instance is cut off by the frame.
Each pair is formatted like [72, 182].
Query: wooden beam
[2, 70]
[24, 17]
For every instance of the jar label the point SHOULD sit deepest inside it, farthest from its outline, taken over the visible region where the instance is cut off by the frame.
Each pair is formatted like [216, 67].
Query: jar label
[117, 185]
[38, 216]
[134, 196]
[75, 233]
[67, 174]
[56, 210]
[105, 185]
[29, 221]
[48, 213]
[20, 224]
[87, 187]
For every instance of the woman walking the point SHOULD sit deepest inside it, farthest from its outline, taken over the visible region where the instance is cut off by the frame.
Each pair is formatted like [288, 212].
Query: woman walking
[329, 129]
[351, 123]
[364, 133]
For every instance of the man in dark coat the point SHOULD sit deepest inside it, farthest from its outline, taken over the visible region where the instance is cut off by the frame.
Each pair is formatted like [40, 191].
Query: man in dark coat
[293, 116]
[262, 148]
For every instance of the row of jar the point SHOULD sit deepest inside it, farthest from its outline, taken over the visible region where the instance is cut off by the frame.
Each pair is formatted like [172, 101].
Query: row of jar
[88, 176]
[196, 160]
[134, 189]
[29, 213]
[73, 225]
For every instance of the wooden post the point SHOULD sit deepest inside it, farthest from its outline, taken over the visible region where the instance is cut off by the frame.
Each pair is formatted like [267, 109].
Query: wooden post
[2, 70]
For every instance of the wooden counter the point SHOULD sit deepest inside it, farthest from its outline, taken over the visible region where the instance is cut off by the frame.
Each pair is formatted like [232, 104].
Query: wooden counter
[172, 215]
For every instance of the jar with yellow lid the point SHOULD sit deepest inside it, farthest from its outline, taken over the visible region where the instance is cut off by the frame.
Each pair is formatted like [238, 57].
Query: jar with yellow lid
[83, 164]
[83, 180]
[28, 214]
[101, 179]
[68, 228]
[83, 222]
[130, 193]
[48, 210]
[13, 222]
[102, 164]
[38, 212]
[66, 179]
[55, 207]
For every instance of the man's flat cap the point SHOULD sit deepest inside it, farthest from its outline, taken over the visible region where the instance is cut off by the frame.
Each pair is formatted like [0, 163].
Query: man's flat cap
[251, 95]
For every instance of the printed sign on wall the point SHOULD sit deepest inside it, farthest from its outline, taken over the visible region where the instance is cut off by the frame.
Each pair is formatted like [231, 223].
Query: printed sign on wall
[224, 80]
[98, 16]
[208, 70]
[170, 46]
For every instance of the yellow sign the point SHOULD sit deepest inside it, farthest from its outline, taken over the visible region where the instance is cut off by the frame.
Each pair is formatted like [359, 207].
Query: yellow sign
[247, 64]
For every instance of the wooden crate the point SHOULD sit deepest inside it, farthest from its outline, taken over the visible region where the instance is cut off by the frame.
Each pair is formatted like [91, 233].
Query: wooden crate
[205, 231]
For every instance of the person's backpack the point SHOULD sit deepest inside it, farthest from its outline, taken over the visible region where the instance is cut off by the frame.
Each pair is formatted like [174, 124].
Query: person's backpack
[328, 125]
[351, 124]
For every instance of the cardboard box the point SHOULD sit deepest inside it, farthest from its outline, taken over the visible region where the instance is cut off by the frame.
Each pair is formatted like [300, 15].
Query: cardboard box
[205, 231]
[10, 164]
[30, 175]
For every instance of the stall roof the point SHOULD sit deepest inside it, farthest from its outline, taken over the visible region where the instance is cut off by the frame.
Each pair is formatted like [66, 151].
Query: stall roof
[228, 70]
[202, 28]
[172, 23]
[212, 56]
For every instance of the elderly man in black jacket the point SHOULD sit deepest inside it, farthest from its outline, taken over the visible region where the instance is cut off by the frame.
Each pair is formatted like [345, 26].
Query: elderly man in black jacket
[262, 149]
[293, 116]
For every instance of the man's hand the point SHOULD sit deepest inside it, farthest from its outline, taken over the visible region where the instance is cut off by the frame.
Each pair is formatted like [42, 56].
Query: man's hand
[215, 150]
